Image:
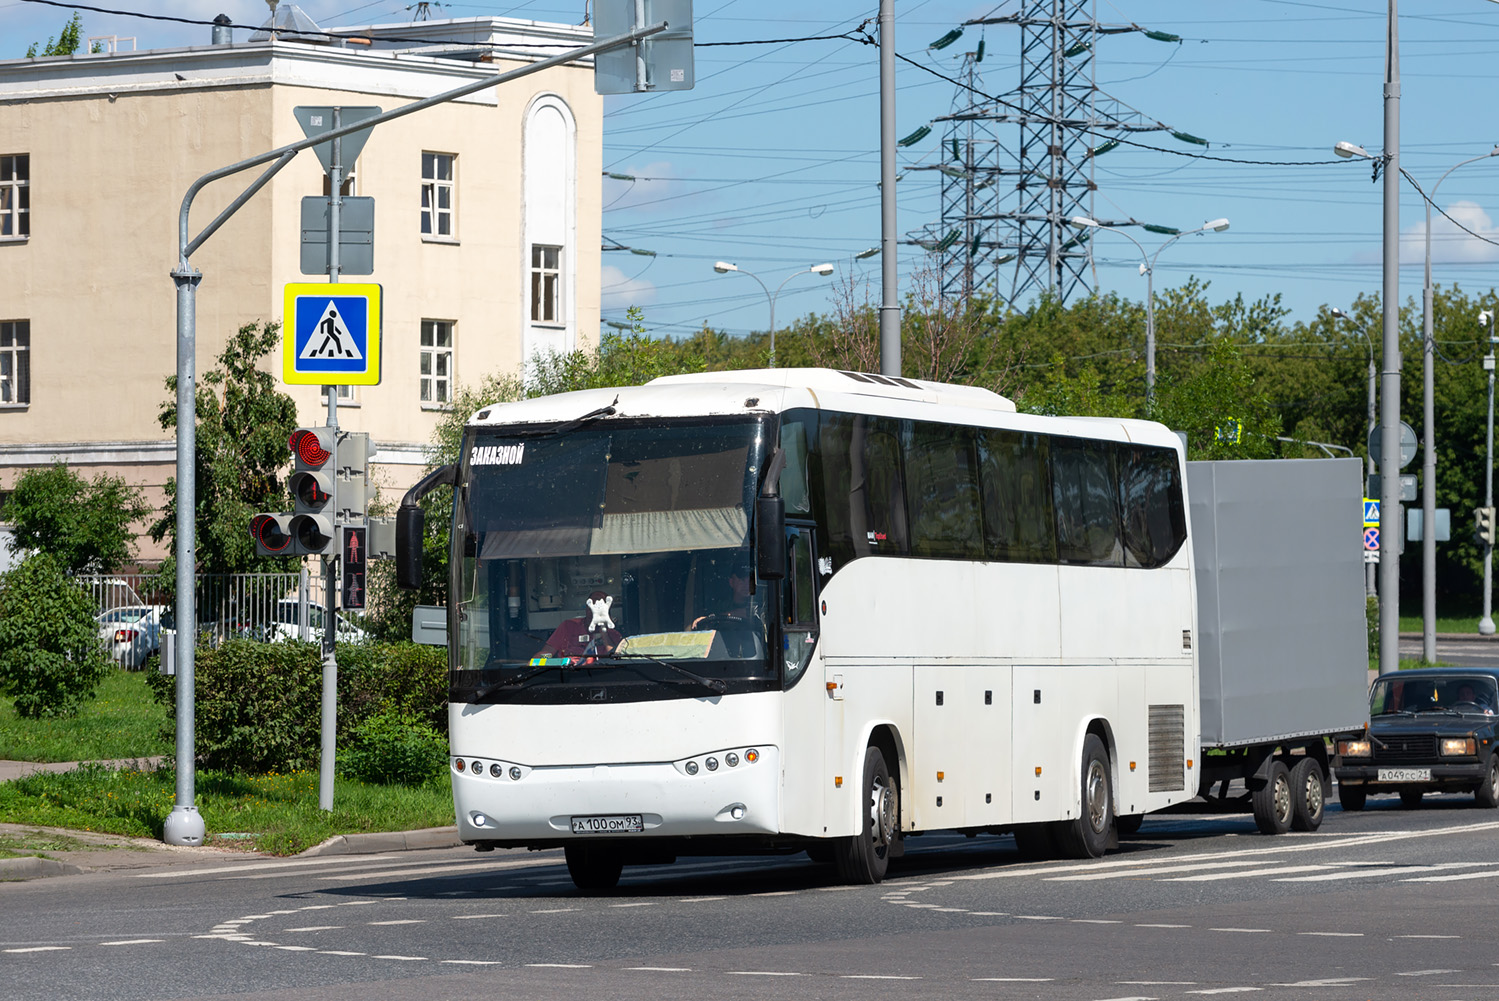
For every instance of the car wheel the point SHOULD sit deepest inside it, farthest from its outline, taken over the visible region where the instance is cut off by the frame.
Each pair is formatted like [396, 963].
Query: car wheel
[1488, 792]
[1309, 795]
[1351, 798]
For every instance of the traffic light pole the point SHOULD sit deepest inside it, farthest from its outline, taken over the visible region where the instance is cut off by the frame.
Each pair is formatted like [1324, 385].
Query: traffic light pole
[1486, 624]
[329, 727]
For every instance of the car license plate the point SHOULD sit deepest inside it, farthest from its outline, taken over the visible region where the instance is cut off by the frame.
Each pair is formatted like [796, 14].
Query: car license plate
[1405, 775]
[628, 823]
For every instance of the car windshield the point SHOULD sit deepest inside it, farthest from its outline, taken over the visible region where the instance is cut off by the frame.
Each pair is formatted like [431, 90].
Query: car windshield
[1433, 693]
[619, 552]
[123, 615]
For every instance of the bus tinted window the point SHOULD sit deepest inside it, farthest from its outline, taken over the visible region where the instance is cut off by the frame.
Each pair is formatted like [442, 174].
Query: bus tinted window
[1087, 505]
[943, 492]
[1155, 525]
[862, 486]
[1018, 522]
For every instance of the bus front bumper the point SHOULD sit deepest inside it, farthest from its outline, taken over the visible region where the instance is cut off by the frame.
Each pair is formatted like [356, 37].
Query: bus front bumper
[510, 802]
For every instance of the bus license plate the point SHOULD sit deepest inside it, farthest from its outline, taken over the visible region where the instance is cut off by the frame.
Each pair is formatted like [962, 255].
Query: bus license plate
[629, 823]
[1405, 775]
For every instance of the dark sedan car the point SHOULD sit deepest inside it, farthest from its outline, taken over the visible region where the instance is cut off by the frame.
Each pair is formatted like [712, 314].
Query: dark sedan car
[1430, 730]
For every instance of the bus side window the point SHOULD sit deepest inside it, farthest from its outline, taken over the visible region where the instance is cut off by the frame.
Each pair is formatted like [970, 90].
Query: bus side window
[799, 602]
[793, 483]
[1087, 503]
[942, 491]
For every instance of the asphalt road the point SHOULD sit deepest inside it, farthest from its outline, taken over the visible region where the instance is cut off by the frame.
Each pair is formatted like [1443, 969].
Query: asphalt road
[1386, 903]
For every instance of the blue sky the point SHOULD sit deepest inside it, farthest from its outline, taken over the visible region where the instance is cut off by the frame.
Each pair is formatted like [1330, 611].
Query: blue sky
[771, 162]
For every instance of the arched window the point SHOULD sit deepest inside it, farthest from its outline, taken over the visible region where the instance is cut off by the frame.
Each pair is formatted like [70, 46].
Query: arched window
[549, 256]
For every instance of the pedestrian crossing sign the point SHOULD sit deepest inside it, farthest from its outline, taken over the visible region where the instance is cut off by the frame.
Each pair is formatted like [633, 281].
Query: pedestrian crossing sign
[330, 335]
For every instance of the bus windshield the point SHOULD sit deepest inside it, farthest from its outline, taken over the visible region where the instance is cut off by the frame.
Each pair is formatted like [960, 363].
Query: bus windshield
[609, 562]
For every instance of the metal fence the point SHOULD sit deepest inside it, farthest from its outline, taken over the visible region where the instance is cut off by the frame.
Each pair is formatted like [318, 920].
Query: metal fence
[259, 606]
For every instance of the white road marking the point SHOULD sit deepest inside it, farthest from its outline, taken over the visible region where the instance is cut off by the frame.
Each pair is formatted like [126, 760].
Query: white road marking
[475, 917]
[555, 910]
[643, 903]
[297, 948]
[1162, 926]
[1424, 973]
[1156, 983]
[562, 966]
[1210, 877]
[775, 893]
[1227, 990]
[951, 909]
[315, 928]
[134, 941]
[472, 962]
[1428, 936]
[1325, 982]
[990, 914]
[471, 868]
[1489, 874]
[872, 976]
[1011, 980]
[1148, 872]
[1251, 931]
[401, 921]
[405, 959]
[41, 948]
[699, 900]
[1095, 921]
[1334, 934]
[660, 969]
[278, 864]
[339, 952]
[761, 973]
[1133, 997]
[1360, 873]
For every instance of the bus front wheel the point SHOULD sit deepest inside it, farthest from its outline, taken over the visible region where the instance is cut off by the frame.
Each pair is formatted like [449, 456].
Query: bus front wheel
[593, 867]
[865, 857]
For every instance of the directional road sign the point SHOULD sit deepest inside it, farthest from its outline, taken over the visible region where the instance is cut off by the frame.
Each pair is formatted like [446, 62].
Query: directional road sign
[330, 335]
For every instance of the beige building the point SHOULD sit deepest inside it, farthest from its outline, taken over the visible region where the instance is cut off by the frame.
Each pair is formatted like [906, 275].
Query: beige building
[486, 236]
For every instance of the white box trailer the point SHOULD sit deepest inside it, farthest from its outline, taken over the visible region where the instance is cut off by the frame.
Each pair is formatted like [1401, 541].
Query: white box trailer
[1283, 661]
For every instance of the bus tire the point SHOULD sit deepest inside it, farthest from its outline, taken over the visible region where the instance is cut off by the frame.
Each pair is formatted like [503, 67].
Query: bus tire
[1273, 800]
[1088, 835]
[594, 868]
[1351, 798]
[865, 857]
[1310, 795]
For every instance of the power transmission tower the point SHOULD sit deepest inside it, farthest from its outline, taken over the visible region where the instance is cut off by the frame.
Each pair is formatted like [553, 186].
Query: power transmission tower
[1006, 208]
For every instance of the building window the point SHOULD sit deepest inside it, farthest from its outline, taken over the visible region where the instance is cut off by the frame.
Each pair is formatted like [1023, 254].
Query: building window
[15, 362]
[546, 284]
[437, 194]
[437, 362]
[15, 196]
[346, 397]
[346, 186]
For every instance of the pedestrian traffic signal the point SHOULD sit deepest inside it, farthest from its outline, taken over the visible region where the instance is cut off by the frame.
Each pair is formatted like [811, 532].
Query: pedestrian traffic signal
[312, 489]
[352, 475]
[1484, 516]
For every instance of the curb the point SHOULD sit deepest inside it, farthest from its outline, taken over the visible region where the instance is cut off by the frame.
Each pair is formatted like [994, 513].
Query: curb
[392, 841]
[33, 867]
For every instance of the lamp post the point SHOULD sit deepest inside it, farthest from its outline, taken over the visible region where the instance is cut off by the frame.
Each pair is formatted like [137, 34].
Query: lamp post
[1486, 624]
[724, 267]
[1147, 268]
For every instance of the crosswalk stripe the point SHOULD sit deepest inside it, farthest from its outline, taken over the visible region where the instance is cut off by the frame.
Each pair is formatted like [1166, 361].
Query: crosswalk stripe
[1210, 876]
[1364, 873]
[1143, 871]
[1486, 874]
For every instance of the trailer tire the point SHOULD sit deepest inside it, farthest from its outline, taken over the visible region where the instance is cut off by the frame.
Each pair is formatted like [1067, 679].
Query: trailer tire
[594, 868]
[864, 858]
[1088, 835]
[1273, 801]
[1309, 792]
[1351, 798]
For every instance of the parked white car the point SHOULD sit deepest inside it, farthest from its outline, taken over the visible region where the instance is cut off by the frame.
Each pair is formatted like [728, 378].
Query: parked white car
[287, 620]
[131, 633]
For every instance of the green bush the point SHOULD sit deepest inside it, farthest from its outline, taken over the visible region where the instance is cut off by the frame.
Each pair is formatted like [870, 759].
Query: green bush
[51, 659]
[390, 749]
[259, 704]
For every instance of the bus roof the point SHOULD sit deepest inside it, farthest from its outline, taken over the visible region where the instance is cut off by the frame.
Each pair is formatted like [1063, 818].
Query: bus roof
[861, 383]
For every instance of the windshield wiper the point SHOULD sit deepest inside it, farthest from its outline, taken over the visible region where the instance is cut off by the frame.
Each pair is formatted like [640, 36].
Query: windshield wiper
[713, 684]
[519, 680]
[567, 427]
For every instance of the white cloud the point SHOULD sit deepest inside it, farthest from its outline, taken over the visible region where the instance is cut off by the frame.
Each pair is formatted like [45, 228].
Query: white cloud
[620, 292]
[1449, 244]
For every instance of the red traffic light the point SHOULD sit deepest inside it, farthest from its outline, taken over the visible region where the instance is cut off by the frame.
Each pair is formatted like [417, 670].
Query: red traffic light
[307, 447]
[268, 532]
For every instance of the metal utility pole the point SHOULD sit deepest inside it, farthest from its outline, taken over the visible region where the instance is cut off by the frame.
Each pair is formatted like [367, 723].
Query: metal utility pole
[329, 717]
[889, 276]
[1389, 432]
[1486, 624]
[184, 825]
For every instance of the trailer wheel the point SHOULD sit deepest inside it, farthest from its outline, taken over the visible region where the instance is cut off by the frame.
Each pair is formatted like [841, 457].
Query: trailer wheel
[864, 858]
[1272, 801]
[594, 868]
[1351, 798]
[1309, 792]
[1088, 835]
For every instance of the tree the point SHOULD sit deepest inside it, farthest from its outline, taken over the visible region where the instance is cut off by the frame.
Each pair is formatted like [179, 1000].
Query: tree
[1224, 414]
[66, 43]
[243, 426]
[51, 660]
[85, 526]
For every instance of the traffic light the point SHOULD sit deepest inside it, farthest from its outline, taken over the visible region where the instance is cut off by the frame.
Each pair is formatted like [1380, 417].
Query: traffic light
[352, 473]
[312, 489]
[1484, 516]
[272, 534]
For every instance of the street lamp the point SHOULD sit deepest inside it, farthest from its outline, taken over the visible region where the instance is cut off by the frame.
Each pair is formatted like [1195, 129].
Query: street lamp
[1486, 624]
[1373, 375]
[1147, 268]
[724, 267]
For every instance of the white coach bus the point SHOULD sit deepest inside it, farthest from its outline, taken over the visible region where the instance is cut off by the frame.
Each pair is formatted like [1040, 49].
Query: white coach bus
[803, 609]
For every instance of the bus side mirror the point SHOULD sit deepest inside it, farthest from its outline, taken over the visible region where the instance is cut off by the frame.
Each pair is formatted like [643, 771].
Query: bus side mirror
[770, 526]
[410, 525]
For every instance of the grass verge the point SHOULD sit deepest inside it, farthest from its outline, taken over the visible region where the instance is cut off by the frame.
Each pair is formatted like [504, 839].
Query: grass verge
[270, 813]
[1463, 625]
[122, 721]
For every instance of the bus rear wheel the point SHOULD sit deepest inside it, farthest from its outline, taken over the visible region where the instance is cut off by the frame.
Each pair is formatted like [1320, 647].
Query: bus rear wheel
[1088, 835]
[865, 857]
[594, 868]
